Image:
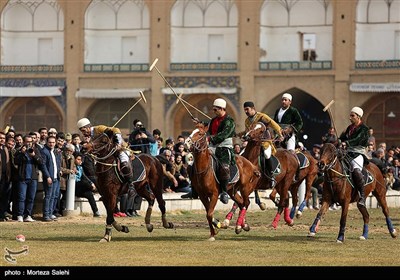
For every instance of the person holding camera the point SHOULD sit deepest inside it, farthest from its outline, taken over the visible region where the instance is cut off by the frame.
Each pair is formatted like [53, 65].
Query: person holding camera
[140, 139]
[29, 161]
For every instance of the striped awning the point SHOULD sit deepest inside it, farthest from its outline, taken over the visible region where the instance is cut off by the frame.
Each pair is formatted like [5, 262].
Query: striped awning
[30, 91]
[198, 90]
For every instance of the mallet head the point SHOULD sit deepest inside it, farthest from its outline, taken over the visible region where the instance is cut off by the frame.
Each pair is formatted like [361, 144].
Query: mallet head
[329, 105]
[153, 64]
[142, 96]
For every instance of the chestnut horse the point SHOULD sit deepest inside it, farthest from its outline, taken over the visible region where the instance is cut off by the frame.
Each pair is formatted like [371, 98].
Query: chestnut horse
[338, 188]
[202, 176]
[149, 184]
[284, 177]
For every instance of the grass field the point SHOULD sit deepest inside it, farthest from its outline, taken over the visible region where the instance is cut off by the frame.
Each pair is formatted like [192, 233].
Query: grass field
[74, 242]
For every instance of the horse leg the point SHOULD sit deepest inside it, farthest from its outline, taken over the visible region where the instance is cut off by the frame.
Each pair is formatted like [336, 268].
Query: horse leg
[365, 215]
[343, 218]
[147, 218]
[107, 234]
[110, 202]
[307, 196]
[272, 196]
[294, 189]
[258, 201]
[240, 223]
[213, 223]
[385, 210]
[315, 226]
[275, 222]
[161, 206]
[229, 216]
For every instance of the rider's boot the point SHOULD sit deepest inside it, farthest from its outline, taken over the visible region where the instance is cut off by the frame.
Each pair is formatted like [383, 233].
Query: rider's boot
[268, 170]
[127, 174]
[224, 174]
[358, 180]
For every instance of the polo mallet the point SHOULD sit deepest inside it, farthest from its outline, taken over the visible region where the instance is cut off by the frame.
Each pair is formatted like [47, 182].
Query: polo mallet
[179, 97]
[327, 108]
[141, 98]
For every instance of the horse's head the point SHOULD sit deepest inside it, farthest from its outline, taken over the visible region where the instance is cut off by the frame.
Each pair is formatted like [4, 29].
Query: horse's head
[197, 139]
[102, 146]
[328, 156]
[255, 132]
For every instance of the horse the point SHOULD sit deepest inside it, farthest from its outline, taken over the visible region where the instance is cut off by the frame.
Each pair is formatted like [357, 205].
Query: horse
[148, 175]
[338, 188]
[203, 180]
[285, 167]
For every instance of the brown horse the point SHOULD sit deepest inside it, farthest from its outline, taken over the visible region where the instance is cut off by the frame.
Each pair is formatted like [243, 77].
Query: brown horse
[202, 175]
[149, 183]
[338, 188]
[287, 165]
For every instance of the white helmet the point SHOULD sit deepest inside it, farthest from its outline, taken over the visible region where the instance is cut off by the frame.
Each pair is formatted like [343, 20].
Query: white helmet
[83, 122]
[219, 102]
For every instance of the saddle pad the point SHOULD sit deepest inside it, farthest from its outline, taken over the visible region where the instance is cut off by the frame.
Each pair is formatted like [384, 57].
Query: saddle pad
[303, 160]
[276, 165]
[368, 178]
[234, 171]
[234, 174]
[139, 173]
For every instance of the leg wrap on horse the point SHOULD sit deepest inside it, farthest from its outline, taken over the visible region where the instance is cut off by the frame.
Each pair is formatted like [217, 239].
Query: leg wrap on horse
[359, 184]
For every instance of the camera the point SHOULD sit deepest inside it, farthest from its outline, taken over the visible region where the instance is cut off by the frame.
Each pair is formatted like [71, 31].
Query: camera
[142, 129]
[30, 150]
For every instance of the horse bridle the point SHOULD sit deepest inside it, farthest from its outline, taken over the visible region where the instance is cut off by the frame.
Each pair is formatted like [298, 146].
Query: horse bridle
[94, 153]
[198, 146]
[330, 166]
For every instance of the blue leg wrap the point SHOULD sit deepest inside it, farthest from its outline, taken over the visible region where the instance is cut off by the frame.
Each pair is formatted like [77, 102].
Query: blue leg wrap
[292, 211]
[365, 231]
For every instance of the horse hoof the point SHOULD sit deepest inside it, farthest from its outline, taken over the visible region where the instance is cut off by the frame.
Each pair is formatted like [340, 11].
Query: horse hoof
[168, 225]
[311, 234]
[290, 223]
[125, 229]
[105, 239]
[362, 238]
[238, 229]
[393, 233]
[339, 241]
[212, 238]
[262, 206]
[273, 225]
[225, 224]
[246, 227]
[299, 214]
[149, 227]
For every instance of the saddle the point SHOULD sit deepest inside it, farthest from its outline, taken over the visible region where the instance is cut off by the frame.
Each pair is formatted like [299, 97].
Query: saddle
[234, 170]
[139, 172]
[302, 160]
[367, 176]
[276, 164]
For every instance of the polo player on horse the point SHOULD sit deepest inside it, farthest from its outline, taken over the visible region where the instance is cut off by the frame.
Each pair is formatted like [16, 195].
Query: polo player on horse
[86, 128]
[254, 117]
